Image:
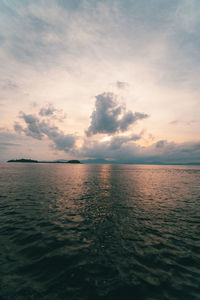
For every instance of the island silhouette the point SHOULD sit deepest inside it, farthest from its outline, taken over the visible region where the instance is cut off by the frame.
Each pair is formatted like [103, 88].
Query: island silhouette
[25, 160]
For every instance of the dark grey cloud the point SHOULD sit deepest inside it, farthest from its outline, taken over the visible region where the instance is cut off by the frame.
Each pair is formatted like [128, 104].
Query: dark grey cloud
[120, 148]
[18, 128]
[109, 148]
[64, 142]
[130, 118]
[47, 111]
[50, 111]
[174, 152]
[109, 117]
[117, 141]
[5, 146]
[40, 129]
[160, 144]
[126, 150]
[117, 149]
[34, 127]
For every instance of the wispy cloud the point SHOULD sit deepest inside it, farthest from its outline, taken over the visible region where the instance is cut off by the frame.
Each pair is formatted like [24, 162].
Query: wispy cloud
[8, 85]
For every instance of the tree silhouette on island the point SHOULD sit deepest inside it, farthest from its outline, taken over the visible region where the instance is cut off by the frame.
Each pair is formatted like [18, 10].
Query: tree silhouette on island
[25, 160]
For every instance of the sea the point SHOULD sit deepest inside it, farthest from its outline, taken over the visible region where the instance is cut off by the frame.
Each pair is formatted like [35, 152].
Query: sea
[91, 232]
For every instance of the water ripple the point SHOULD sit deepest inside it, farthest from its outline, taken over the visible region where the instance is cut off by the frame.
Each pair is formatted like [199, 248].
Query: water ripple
[99, 232]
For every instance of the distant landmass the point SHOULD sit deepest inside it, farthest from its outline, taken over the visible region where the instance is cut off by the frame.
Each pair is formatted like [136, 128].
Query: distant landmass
[24, 160]
[111, 162]
[73, 161]
[100, 161]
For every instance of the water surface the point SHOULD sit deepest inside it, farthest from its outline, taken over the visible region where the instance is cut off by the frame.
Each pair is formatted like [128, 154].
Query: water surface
[99, 232]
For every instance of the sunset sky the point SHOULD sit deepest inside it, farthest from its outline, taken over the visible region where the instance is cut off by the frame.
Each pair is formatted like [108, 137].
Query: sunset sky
[107, 79]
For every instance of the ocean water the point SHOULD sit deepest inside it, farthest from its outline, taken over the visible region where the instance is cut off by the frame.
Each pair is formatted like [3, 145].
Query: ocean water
[82, 232]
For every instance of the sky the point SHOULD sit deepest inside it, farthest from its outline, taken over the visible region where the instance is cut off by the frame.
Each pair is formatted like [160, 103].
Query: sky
[100, 79]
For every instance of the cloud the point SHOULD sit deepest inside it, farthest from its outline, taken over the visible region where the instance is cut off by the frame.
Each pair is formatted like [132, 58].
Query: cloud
[44, 31]
[7, 84]
[50, 111]
[160, 144]
[34, 127]
[181, 122]
[64, 142]
[110, 117]
[40, 129]
[121, 84]
[119, 148]
[8, 144]
[47, 111]
[117, 141]
[4, 146]
[8, 137]
[174, 122]
[125, 150]
[108, 113]
[173, 152]
[11, 144]
[115, 149]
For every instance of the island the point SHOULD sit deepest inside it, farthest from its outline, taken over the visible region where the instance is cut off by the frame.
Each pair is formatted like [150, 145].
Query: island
[25, 160]
[74, 161]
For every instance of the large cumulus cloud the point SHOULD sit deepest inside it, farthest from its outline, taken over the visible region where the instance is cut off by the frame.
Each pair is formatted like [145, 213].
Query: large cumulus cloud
[109, 117]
